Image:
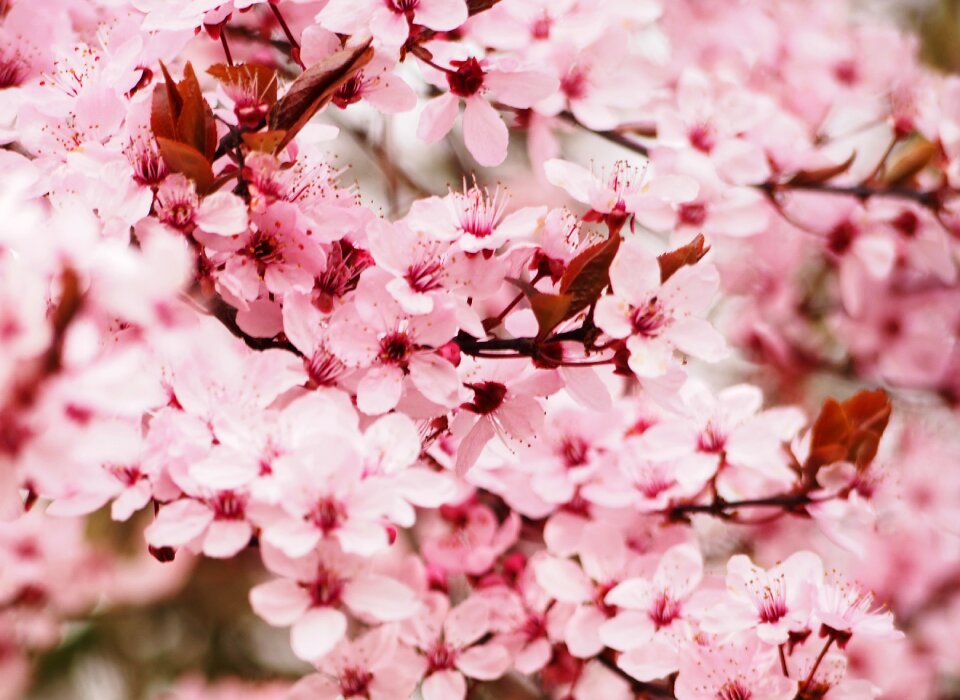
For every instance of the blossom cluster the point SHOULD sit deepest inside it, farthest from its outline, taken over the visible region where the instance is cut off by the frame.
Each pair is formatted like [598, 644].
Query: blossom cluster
[560, 435]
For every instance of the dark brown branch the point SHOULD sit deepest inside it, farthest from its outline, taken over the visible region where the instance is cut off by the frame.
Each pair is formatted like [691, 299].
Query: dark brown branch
[928, 199]
[721, 508]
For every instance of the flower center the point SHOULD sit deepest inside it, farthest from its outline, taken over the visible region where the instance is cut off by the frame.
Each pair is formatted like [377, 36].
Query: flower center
[487, 397]
[468, 78]
[907, 224]
[841, 237]
[403, 6]
[12, 71]
[354, 682]
[574, 451]
[440, 658]
[711, 440]
[772, 606]
[424, 276]
[692, 214]
[328, 514]
[479, 212]
[265, 248]
[325, 589]
[665, 610]
[734, 690]
[228, 505]
[648, 319]
[127, 475]
[574, 83]
[349, 92]
[395, 348]
[324, 367]
[701, 138]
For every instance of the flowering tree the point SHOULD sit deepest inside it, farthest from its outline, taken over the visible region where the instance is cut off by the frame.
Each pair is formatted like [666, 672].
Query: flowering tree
[666, 413]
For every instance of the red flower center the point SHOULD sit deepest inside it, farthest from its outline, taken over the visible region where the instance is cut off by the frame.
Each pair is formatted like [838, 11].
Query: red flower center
[327, 514]
[487, 397]
[468, 78]
[354, 682]
[440, 658]
[693, 214]
[325, 589]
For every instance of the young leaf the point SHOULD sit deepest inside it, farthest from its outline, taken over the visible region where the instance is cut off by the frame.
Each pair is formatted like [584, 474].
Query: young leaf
[165, 107]
[849, 431]
[195, 123]
[588, 274]
[909, 160]
[314, 88]
[184, 158]
[818, 175]
[689, 254]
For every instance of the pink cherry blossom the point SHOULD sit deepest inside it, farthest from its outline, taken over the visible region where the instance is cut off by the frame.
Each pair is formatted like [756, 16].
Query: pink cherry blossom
[448, 640]
[734, 668]
[374, 666]
[657, 319]
[311, 591]
[484, 131]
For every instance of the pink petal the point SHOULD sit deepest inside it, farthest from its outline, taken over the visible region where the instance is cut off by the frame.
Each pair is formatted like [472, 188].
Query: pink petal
[485, 662]
[564, 580]
[629, 629]
[222, 213]
[226, 537]
[441, 15]
[472, 445]
[280, 602]
[436, 379]
[444, 685]
[178, 523]
[522, 88]
[391, 95]
[635, 273]
[379, 390]
[484, 132]
[437, 117]
[390, 28]
[680, 569]
[533, 657]
[698, 338]
[363, 537]
[315, 687]
[741, 162]
[295, 538]
[578, 182]
[651, 661]
[317, 43]
[381, 597]
[583, 632]
[317, 632]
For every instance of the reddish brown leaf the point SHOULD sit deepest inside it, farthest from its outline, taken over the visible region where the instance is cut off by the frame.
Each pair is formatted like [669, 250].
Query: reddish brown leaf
[588, 274]
[908, 160]
[180, 114]
[195, 123]
[849, 431]
[184, 158]
[549, 309]
[165, 107]
[690, 254]
[314, 88]
[264, 141]
[817, 175]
